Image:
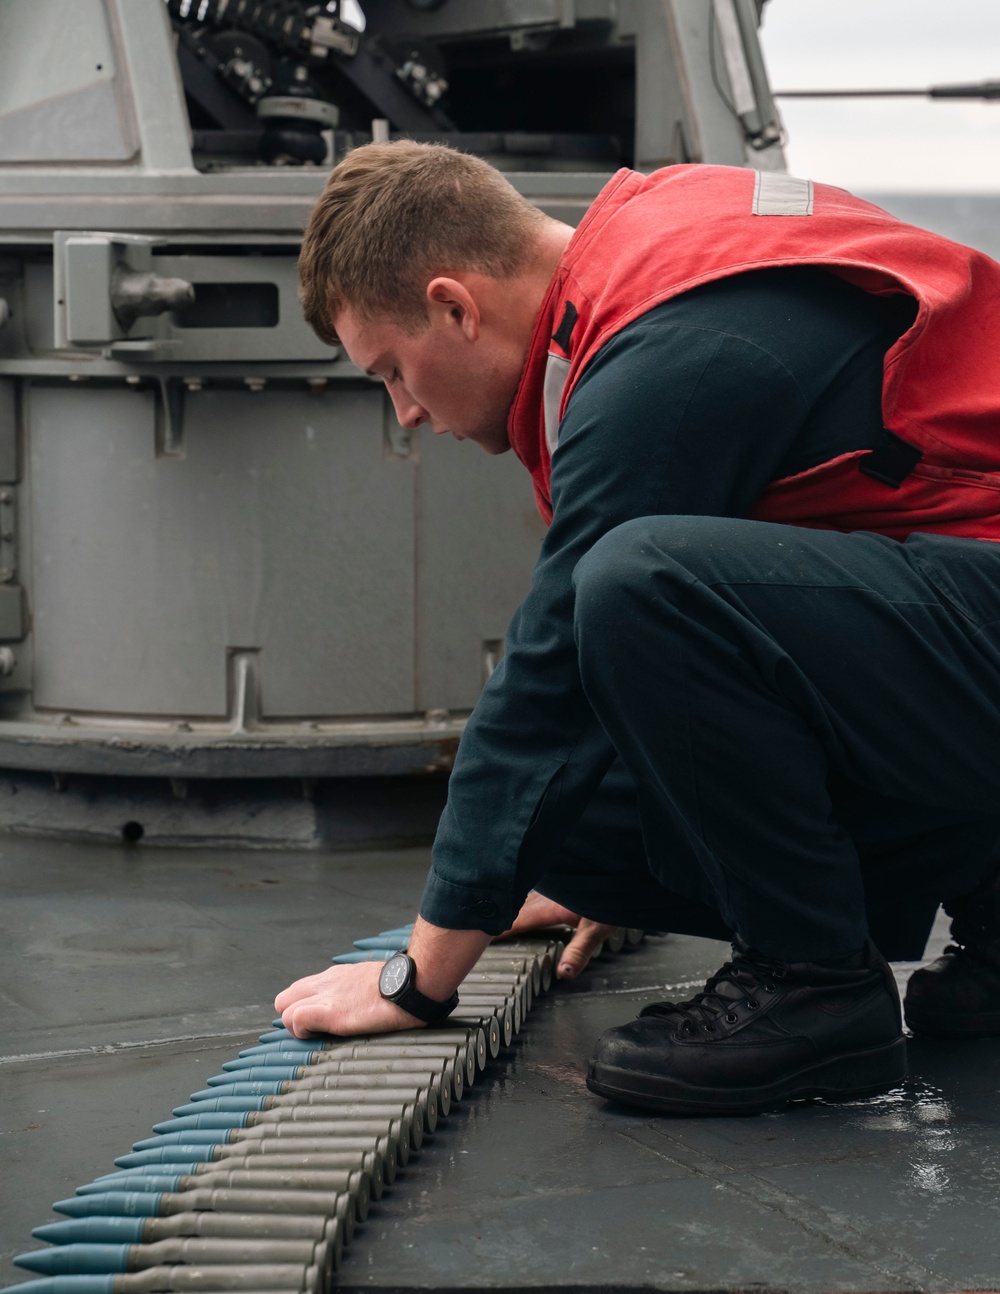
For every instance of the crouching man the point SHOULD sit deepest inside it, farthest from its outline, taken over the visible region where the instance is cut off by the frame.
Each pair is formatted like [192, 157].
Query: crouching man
[754, 691]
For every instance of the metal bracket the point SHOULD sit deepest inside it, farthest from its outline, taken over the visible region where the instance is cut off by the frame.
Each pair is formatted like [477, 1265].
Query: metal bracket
[169, 417]
[492, 656]
[399, 443]
[736, 22]
[244, 688]
[106, 290]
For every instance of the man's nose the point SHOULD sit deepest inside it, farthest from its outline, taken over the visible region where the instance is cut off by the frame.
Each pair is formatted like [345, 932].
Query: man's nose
[409, 414]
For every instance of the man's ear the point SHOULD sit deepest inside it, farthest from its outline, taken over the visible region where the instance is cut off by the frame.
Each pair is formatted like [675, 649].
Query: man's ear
[453, 305]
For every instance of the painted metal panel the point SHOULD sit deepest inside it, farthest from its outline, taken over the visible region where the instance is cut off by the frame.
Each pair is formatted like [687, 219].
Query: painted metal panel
[280, 530]
[59, 101]
[478, 539]
[334, 619]
[129, 615]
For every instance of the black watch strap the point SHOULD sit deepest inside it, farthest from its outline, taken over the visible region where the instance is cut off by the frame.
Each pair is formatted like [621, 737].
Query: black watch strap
[402, 968]
[426, 1008]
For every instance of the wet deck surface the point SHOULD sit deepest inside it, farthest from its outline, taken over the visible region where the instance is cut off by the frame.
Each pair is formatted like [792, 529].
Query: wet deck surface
[127, 976]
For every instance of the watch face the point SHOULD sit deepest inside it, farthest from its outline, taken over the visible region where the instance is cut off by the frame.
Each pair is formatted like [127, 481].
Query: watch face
[395, 974]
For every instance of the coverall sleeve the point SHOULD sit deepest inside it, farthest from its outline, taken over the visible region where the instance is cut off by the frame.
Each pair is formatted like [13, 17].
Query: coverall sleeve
[668, 419]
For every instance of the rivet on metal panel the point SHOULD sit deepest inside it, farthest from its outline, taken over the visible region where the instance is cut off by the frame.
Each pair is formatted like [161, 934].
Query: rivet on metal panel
[79, 377]
[132, 379]
[7, 662]
[317, 385]
[255, 383]
[193, 383]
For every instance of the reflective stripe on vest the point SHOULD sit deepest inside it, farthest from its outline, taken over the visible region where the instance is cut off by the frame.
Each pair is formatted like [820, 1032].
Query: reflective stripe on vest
[775, 194]
[556, 377]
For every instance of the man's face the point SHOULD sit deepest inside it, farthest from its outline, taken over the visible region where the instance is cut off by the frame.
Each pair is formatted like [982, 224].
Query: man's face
[451, 376]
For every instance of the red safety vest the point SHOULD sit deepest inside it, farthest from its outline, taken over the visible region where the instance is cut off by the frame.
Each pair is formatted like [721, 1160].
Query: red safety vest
[649, 238]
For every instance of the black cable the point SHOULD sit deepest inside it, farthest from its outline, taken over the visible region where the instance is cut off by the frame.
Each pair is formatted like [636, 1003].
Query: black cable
[976, 90]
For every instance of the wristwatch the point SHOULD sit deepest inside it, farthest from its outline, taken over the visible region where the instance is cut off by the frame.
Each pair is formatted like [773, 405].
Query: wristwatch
[396, 984]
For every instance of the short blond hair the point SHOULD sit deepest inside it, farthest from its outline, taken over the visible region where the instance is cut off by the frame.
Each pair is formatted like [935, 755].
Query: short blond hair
[392, 216]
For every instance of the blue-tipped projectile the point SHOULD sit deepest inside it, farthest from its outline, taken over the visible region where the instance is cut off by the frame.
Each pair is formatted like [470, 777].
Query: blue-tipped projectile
[193, 1137]
[66, 1285]
[202, 1121]
[166, 1155]
[293, 1051]
[164, 1183]
[278, 1035]
[180, 1168]
[400, 932]
[257, 1074]
[129, 1204]
[76, 1260]
[230, 1104]
[288, 1042]
[100, 1231]
[271, 1088]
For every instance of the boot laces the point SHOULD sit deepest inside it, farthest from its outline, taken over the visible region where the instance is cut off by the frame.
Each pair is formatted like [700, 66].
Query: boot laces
[741, 980]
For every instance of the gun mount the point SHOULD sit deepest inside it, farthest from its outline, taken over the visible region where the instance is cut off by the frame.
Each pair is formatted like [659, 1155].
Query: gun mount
[219, 554]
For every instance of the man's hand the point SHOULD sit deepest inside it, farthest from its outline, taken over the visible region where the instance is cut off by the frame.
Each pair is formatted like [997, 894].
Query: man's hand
[540, 913]
[343, 1000]
[346, 1000]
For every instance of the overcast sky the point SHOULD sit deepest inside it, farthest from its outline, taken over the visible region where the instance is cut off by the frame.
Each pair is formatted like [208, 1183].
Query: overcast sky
[901, 144]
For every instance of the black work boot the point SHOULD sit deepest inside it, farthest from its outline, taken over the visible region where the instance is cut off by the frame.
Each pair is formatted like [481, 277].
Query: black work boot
[958, 995]
[761, 1033]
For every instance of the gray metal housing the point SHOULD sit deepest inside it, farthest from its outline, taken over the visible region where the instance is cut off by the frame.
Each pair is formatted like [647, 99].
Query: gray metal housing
[220, 556]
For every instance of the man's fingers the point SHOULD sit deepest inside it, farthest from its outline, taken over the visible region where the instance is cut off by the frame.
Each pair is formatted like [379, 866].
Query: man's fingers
[304, 1019]
[585, 943]
[332, 1001]
[540, 913]
[304, 987]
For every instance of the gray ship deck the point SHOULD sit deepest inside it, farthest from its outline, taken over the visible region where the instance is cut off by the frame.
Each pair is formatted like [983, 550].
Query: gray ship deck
[128, 975]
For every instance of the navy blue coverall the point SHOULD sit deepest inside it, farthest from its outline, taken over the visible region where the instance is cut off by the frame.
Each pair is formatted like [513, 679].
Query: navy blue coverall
[709, 724]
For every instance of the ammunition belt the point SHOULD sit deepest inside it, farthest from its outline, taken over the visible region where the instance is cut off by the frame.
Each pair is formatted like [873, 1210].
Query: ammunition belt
[257, 1183]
